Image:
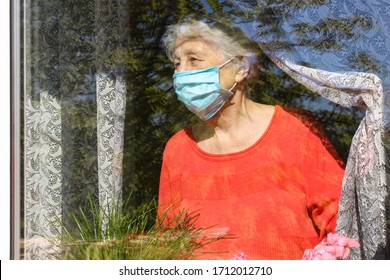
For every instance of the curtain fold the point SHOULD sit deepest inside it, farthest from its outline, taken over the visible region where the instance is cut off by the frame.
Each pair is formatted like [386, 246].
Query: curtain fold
[43, 161]
[111, 21]
[111, 100]
[43, 178]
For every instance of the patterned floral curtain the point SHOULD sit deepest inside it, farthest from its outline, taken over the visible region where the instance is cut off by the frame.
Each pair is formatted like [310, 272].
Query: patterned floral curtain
[340, 49]
[74, 113]
[112, 37]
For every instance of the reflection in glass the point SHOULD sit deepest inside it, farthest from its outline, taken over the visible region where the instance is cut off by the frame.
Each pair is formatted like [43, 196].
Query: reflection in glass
[99, 105]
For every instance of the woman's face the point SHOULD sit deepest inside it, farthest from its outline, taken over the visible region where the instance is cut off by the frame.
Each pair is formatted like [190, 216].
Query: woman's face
[195, 54]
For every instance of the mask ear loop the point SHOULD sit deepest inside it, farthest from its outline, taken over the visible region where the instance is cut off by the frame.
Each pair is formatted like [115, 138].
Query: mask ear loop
[233, 87]
[223, 64]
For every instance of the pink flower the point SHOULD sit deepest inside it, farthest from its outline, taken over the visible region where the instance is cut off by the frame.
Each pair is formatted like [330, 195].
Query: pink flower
[309, 254]
[342, 252]
[332, 247]
[239, 256]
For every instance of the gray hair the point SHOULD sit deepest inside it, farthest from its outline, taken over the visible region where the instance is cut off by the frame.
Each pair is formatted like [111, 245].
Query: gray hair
[217, 39]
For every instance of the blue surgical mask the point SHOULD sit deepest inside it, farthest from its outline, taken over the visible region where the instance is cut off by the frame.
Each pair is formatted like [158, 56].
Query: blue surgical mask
[200, 90]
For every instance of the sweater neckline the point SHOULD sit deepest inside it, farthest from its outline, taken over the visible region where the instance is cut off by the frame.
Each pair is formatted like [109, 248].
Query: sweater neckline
[203, 153]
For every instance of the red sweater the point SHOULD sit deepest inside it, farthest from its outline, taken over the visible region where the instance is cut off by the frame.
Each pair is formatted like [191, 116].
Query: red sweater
[275, 199]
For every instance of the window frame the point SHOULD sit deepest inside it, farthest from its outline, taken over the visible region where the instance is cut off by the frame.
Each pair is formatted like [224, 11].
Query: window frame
[15, 133]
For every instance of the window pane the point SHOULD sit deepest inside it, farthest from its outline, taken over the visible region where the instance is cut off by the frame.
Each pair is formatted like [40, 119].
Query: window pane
[97, 106]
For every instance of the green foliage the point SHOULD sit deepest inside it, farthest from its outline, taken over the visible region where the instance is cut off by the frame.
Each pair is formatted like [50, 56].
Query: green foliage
[113, 234]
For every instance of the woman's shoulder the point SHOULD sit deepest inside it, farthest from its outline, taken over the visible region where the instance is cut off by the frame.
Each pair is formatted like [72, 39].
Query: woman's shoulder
[299, 120]
[308, 128]
[179, 139]
[297, 125]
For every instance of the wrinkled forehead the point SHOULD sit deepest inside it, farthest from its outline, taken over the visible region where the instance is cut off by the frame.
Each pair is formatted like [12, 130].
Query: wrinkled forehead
[196, 45]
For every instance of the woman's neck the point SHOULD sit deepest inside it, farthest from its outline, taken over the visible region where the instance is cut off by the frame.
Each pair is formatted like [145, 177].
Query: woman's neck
[240, 124]
[237, 109]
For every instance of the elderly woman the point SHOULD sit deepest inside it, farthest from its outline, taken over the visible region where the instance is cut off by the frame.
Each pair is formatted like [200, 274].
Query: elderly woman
[253, 172]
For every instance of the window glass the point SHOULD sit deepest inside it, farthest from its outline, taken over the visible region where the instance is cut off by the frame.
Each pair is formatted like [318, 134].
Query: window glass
[97, 104]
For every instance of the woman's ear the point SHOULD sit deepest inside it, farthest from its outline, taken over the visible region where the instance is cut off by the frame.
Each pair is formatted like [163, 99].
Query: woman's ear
[243, 69]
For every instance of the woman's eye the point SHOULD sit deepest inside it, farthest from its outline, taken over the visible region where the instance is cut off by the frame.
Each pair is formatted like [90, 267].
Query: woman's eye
[176, 65]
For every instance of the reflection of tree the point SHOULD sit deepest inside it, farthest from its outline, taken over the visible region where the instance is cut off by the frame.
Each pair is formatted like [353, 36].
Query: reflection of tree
[277, 25]
[295, 28]
[153, 112]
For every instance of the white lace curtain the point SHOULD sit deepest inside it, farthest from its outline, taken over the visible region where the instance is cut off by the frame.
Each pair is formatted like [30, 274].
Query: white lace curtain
[327, 60]
[69, 76]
